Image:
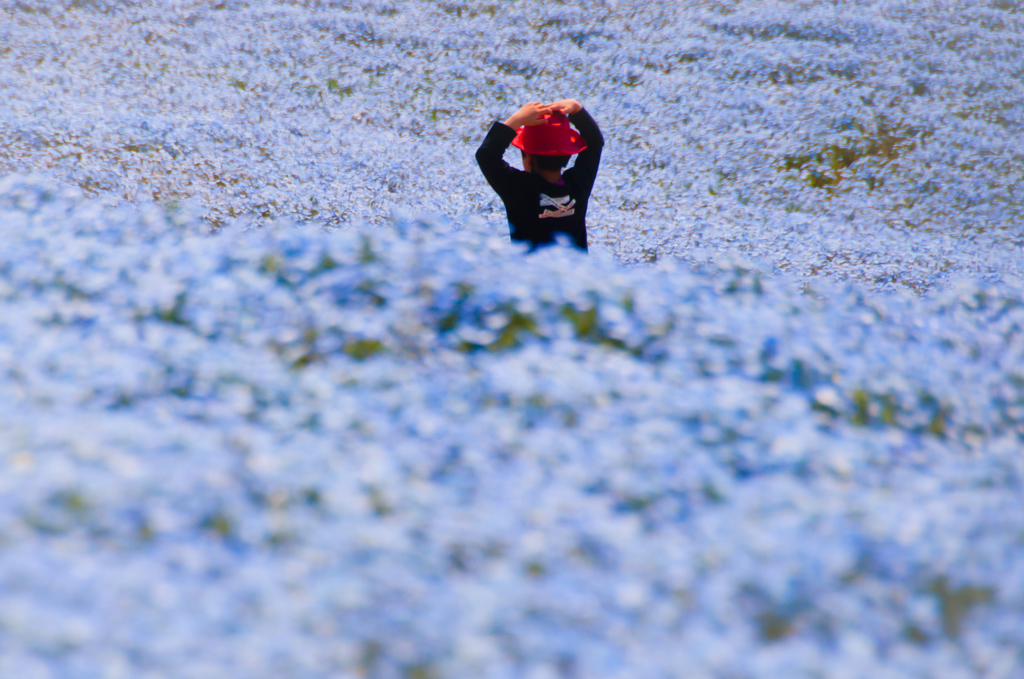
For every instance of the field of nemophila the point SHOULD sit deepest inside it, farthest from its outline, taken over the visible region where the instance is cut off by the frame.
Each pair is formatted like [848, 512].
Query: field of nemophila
[771, 427]
[878, 141]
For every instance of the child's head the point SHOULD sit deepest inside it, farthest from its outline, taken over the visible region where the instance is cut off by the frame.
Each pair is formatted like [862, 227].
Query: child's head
[538, 163]
[549, 145]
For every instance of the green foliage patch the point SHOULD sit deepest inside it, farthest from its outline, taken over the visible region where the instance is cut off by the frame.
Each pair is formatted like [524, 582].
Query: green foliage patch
[876, 145]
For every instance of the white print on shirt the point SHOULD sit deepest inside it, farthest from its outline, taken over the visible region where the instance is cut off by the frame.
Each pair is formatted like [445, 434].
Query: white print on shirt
[564, 206]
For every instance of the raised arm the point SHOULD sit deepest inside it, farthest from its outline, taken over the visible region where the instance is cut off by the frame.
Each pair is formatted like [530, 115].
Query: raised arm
[589, 158]
[490, 154]
[490, 157]
[530, 114]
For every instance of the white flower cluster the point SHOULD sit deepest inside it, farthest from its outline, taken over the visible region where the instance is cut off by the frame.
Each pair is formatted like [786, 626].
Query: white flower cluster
[413, 452]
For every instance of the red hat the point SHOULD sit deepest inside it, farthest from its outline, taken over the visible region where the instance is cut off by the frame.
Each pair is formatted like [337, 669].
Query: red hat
[553, 137]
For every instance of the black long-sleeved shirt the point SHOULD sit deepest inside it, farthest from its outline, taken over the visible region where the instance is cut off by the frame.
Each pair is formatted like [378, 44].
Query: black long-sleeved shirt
[536, 208]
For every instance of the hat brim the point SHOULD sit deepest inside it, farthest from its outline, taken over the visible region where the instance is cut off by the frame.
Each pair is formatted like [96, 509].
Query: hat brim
[574, 145]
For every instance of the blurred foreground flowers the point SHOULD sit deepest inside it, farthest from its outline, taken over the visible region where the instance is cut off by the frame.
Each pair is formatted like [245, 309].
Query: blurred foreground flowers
[409, 451]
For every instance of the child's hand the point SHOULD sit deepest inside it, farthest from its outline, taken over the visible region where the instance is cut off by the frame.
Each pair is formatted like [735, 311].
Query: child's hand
[528, 115]
[566, 106]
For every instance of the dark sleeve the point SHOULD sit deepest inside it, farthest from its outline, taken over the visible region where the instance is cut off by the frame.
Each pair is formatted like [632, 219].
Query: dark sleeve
[489, 157]
[589, 158]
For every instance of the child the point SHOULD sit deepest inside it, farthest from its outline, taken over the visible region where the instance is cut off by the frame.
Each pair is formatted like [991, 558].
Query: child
[542, 200]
